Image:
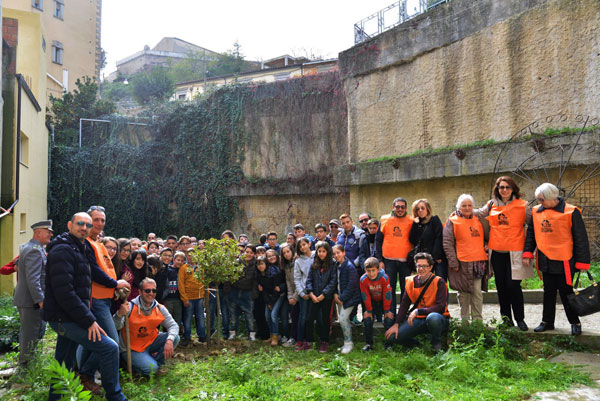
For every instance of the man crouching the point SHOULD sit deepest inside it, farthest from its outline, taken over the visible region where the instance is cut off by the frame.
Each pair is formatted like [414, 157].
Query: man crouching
[149, 347]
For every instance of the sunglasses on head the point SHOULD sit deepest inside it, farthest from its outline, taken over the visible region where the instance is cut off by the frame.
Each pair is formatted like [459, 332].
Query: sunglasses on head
[150, 290]
[83, 223]
[99, 208]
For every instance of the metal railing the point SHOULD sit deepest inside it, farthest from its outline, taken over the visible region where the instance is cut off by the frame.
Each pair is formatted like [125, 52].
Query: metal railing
[391, 16]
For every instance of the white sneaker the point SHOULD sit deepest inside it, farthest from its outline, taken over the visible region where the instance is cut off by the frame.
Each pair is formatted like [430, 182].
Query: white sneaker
[283, 339]
[347, 348]
[231, 335]
[289, 343]
[252, 336]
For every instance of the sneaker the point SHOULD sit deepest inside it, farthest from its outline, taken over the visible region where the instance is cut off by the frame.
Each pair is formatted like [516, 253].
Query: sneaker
[348, 347]
[367, 348]
[289, 343]
[300, 346]
[283, 339]
[252, 336]
[355, 321]
[323, 347]
[388, 347]
[231, 335]
[184, 343]
[307, 346]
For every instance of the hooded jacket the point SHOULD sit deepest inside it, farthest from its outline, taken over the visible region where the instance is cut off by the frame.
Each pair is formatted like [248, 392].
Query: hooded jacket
[68, 281]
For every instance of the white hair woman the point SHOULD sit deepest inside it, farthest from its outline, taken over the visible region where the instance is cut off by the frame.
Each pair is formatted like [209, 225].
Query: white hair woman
[559, 235]
[464, 244]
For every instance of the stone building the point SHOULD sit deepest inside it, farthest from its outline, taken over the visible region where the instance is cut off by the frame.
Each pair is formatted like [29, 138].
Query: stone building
[71, 40]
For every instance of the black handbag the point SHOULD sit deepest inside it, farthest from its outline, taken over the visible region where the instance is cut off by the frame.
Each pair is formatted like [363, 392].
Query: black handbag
[587, 301]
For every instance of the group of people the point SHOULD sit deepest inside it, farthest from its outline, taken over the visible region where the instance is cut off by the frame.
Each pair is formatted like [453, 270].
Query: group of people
[95, 290]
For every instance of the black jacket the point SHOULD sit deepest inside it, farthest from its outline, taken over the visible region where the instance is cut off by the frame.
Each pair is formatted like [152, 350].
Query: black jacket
[367, 250]
[268, 281]
[348, 288]
[322, 282]
[247, 282]
[68, 282]
[581, 245]
[430, 235]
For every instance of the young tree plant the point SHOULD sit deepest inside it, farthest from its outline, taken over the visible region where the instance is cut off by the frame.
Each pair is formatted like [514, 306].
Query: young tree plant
[217, 263]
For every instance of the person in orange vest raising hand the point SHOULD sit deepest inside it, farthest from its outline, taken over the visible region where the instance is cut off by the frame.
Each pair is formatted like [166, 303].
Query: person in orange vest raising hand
[464, 244]
[392, 245]
[507, 215]
[558, 233]
[149, 347]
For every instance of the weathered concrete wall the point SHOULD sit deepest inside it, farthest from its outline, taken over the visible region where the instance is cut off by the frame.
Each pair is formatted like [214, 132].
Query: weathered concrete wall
[260, 214]
[469, 71]
[297, 135]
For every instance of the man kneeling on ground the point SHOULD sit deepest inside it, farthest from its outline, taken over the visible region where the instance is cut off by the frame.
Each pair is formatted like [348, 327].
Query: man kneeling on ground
[429, 295]
[149, 347]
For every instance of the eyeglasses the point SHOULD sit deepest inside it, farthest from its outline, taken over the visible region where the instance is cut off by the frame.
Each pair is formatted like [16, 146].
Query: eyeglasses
[125, 250]
[271, 256]
[422, 266]
[421, 208]
[541, 200]
[83, 223]
[110, 248]
[363, 220]
[99, 208]
[503, 187]
[150, 290]
[399, 206]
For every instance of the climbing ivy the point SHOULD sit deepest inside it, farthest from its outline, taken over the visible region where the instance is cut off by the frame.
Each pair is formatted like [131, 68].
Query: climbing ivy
[175, 175]
[175, 182]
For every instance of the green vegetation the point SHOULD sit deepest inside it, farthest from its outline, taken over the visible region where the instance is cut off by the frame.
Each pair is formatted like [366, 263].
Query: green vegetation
[10, 323]
[153, 85]
[480, 364]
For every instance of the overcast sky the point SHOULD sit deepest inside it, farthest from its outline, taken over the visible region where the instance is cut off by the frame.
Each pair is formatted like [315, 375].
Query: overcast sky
[264, 28]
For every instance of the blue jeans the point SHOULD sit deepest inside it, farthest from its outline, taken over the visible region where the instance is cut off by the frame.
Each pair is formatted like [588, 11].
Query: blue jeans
[302, 317]
[272, 316]
[153, 356]
[70, 335]
[101, 310]
[434, 324]
[396, 271]
[239, 301]
[224, 313]
[196, 308]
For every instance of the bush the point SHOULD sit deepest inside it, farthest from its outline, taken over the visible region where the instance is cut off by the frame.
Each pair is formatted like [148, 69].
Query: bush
[9, 323]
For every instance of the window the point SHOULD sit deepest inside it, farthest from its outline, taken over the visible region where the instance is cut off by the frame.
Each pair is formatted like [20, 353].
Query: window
[39, 4]
[59, 9]
[23, 223]
[44, 44]
[24, 149]
[57, 52]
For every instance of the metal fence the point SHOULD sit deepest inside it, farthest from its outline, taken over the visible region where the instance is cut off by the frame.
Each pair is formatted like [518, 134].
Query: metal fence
[389, 17]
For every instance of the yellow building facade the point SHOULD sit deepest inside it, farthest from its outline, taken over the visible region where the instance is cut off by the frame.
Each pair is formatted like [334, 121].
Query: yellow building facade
[24, 145]
[72, 39]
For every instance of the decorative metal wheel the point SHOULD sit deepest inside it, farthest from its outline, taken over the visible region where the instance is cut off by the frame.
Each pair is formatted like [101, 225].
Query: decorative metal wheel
[562, 149]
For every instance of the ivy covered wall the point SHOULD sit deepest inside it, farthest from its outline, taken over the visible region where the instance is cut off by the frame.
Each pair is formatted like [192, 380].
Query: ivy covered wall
[201, 157]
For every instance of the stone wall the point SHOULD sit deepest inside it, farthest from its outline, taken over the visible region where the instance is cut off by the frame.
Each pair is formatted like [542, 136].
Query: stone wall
[468, 71]
[296, 134]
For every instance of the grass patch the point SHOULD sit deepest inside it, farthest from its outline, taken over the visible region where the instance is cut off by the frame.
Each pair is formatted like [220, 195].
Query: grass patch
[480, 364]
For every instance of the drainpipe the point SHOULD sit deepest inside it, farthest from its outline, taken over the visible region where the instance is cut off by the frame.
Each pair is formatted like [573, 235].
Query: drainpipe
[17, 163]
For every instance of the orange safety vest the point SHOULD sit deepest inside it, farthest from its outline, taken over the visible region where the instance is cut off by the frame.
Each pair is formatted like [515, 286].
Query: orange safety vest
[143, 329]
[395, 232]
[553, 235]
[428, 299]
[506, 226]
[99, 291]
[468, 236]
